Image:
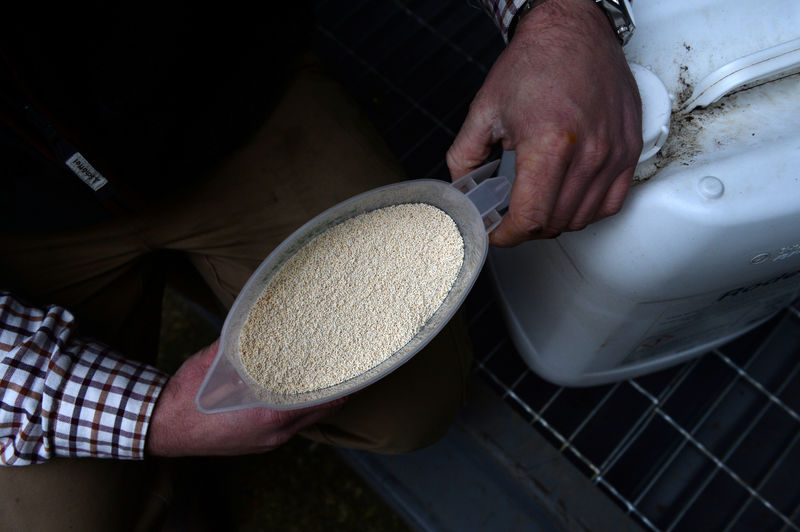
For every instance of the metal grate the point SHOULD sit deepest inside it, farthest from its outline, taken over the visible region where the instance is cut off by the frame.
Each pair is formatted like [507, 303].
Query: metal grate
[711, 444]
[414, 66]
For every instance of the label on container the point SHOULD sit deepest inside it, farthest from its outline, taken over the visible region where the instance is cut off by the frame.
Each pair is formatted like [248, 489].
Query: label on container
[688, 324]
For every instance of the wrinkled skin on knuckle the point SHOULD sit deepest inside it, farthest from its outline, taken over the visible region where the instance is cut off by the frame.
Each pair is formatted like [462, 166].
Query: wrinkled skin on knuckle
[462, 154]
[452, 157]
[613, 202]
[558, 224]
[482, 105]
[550, 233]
[557, 139]
[577, 225]
[611, 206]
[472, 144]
[597, 149]
[485, 107]
[528, 225]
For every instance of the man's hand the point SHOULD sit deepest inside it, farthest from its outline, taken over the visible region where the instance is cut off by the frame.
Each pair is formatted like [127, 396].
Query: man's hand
[177, 428]
[562, 96]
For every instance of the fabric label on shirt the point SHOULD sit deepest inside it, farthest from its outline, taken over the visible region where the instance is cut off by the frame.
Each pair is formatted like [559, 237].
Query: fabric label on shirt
[81, 167]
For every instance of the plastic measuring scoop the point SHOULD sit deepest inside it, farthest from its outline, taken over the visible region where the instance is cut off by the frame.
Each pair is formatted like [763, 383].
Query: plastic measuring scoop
[472, 202]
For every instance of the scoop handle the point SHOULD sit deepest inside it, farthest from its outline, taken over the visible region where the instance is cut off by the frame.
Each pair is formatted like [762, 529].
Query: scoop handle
[488, 194]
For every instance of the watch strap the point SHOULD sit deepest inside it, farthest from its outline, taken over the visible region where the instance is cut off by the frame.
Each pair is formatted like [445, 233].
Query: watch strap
[617, 11]
[620, 15]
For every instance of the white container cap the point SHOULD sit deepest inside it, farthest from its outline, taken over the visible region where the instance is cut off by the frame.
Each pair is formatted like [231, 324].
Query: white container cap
[656, 110]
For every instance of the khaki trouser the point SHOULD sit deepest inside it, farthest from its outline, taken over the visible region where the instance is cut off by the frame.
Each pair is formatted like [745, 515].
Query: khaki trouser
[315, 150]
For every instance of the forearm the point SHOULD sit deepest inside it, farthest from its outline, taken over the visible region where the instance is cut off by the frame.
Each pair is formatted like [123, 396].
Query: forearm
[63, 396]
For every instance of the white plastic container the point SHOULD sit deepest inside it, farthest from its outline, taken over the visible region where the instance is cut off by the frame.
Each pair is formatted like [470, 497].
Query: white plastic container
[707, 245]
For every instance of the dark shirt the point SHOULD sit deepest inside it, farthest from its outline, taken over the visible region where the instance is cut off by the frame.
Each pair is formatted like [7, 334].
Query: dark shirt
[150, 95]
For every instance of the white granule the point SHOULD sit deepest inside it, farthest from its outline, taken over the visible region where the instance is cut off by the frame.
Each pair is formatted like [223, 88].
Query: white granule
[351, 297]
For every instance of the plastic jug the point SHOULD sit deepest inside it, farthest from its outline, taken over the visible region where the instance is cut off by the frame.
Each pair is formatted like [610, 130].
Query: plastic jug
[707, 245]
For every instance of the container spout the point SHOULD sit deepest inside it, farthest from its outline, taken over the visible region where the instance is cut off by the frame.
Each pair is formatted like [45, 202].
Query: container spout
[223, 389]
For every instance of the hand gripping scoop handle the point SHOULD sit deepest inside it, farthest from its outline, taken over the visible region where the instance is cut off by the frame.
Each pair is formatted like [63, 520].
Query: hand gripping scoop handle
[473, 202]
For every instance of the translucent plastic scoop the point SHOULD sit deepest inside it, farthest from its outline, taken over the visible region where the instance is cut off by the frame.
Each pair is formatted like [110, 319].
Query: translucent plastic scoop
[472, 202]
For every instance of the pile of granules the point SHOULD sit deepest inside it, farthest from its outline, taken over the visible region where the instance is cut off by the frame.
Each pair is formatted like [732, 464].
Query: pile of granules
[351, 297]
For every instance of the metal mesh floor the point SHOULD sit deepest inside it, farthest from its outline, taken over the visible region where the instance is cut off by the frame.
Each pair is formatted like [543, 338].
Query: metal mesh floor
[708, 445]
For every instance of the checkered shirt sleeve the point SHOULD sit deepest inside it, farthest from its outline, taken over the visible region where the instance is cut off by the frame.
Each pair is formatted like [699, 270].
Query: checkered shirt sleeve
[502, 12]
[62, 396]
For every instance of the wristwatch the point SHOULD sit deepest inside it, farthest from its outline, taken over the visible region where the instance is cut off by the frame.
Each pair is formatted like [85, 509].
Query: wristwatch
[619, 13]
